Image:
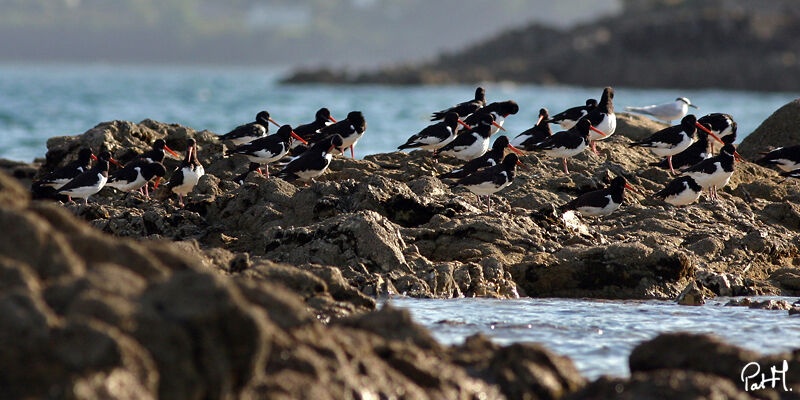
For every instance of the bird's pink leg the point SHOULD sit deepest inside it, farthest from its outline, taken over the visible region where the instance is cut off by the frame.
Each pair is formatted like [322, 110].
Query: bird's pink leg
[352, 154]
[566, 170]
[146, 191]
[594, 147]
[669, 160]
[267, 169]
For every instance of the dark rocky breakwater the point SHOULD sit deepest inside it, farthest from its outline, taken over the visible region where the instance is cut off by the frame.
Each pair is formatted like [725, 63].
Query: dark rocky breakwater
[267, 289]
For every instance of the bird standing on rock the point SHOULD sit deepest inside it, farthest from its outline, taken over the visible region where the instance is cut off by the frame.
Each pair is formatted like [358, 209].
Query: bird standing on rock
[568, 118]
[567, 143]
[786, 158]
[680, 192]
[715, 171]
[435, 136]
[136, 176]
[306, 131]
[154, 155]
[186, 176]
[602, 118]
[61, 176]
[672, 140]
[722, 125]
[499, 110]
[466, 108]
[696, 152]
[535, 135]
[668, 112]
[89, 182]
[490, 159]
[600, 202]
[488, 181]
[268, 149]
[472, 143]
[314, 162]
[252, 131]
[350, 130]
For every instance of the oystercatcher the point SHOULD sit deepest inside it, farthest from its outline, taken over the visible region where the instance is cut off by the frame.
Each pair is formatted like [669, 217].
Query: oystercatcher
[268, 149]
[435, 136]
[499, 110]
[253, 167]
[567, 143]
[252, 131]
[185, 177]
[671, 141]
[696, 152]
[197, 167]
[786, 158]
[350, 129]
[722, 125]
[59, 177]
[89, 182]
[306, 131]
[155, 155]
[471, 143]
[668, 112]
[715, 171]
[136, 176]
[680, 192]
[568, 118]
[600, 202]
[488, 181]
[490, 159]
[466, 108]
[602, 118]
[313, 162]
[539, 132]
[791, 174]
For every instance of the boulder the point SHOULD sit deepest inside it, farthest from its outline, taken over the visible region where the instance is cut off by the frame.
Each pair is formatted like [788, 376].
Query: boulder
[691, 295]
[637, 127]
[781, 129]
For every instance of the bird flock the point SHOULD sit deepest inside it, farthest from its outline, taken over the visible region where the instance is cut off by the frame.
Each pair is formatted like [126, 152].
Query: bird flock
[463, 132]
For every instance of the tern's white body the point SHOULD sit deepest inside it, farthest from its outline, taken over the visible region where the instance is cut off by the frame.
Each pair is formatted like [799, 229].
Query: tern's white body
[668, 112]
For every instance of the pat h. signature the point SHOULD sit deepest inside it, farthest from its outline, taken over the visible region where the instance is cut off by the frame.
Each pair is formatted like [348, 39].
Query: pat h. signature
[753, 379]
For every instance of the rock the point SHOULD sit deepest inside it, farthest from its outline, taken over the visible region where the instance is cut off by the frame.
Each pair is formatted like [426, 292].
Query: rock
[637, 127]
[781, 129]
[787, 279]
[691, 295]
[664, 384]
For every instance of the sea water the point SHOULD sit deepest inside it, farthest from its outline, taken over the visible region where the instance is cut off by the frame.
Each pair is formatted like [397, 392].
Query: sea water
[41, 101]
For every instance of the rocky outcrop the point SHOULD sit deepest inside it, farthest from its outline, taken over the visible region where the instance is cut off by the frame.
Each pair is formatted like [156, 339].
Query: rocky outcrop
[641, 47]
[781, 129]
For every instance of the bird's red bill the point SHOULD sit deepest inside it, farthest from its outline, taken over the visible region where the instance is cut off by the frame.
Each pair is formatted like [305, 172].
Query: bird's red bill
[516, 150]
[464, 124]
[331, 118]
[155, 185]
[171, 152]
[523, 165]
[273, 121]
[708, 131]
[498, 126]
[597, 130]
[296, 136]
[541, 117]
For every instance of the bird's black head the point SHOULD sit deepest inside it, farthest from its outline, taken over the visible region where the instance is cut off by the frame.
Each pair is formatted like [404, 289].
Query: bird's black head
[689, 123]
[510, 162]
[484, 118]
[728, 150]
[104, 156]
[159, 144]
[334, 141]
[285, 132]
[480, 94]
[618, 182]
[582, 127]
[451, 119]
[191, 142]
[544, 114]
[591, 103]
[356, 119]
[153, 169]
[323, 115]
[500, 143]
[263, 118]
[504, 108]
[607, 101]
[85, 154]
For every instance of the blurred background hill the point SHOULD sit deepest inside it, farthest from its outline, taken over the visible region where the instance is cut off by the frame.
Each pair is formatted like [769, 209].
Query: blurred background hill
[352, 33]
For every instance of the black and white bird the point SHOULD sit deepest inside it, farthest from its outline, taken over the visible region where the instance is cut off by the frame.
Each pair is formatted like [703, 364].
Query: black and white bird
[466, 108]
[60, 176]
[714, 172]
[680, 192]
[569, 117]
[567, 143]
[600, 202]
[251, 131]
[667, 112]
[786, 158]
[197, 166]
[791, 174]
[268, 149]
[488, 181]
[90, 182]
[535, 135]
[473, 143]
[602, 119]
[314, 162]
[253, 167]
[136, 176]
[435, 136]
[307, 131]
[350, 129]
[672, 140]
[154, 155]
[490, 159]
[500, 111]
[185, 177]
[696, 152]
[721, 125]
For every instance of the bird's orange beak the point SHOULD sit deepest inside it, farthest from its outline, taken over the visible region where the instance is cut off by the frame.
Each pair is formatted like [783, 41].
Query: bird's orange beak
[113, 161]
[597, 130]
[331, 118]
[708, 131]
[737, 156]
[464, 124]
[158, 180]
[296, 136]
[171, 152]
[629, 187]
[498, 126]
[94, 157]
[541, 117]
[516, 150]
[523, 165]
[273, 121]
